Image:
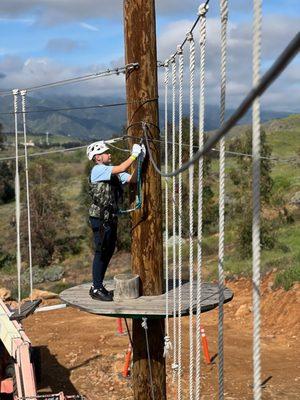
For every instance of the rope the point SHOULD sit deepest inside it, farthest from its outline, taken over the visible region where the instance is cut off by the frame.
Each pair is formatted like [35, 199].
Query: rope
[107, 72]
[180, 113]
[202, 12]
[167, 341]
[224, 19]
[191, 216]
[17, 194]
[175, 364]
[273, 72]
[138, 199]
[256, 203]
[145, 326]
[23, 97]
[180, 47]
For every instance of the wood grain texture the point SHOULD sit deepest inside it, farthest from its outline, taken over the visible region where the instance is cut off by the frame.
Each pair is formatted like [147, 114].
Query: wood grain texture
[144, 306]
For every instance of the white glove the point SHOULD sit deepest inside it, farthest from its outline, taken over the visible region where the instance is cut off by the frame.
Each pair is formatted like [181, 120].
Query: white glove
[143, 152]
[136, 150]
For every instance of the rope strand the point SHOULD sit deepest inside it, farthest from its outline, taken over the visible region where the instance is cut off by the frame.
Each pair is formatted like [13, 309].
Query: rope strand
[256, 203]
[23, 97]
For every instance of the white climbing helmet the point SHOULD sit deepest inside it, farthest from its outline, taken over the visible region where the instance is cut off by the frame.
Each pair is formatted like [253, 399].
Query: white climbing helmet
[96, 148]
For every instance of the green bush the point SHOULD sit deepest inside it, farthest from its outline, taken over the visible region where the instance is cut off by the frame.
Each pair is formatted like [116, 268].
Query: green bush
[287, 278]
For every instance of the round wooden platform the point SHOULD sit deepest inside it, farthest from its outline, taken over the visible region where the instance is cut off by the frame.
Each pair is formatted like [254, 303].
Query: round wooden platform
[150, 306]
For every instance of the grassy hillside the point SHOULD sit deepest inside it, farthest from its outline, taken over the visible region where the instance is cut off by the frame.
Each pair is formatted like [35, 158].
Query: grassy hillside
[284, 137]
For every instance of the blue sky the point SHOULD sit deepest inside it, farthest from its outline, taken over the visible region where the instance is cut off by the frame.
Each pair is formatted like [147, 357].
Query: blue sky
[42, 41]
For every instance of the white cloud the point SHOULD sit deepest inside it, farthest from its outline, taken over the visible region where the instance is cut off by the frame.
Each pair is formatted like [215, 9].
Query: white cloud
[277, 31]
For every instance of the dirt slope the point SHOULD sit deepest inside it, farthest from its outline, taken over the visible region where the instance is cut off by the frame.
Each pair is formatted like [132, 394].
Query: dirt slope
[82, 353]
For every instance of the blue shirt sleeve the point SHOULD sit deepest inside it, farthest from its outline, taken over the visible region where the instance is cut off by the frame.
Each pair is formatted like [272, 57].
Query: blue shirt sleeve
[101, 172]
[124, 177]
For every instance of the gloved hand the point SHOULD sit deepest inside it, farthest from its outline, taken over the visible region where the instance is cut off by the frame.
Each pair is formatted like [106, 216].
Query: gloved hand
[136, 150]
[143, 152]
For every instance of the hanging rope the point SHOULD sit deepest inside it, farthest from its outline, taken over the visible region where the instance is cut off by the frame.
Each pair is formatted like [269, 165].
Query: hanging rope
[180, 115]
[224, 19]
[273, 72]
[167, 343]
[202, 12]
[175, 363]
[256, 203]
[17, 194]
[145, 326]
[23, 97]
[138, 198]
[191, 217]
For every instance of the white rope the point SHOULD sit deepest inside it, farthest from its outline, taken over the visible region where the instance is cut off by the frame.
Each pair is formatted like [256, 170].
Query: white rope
[167, 344]
[202, 12]
[174, 365]
[224, 19]
[256, 202]
[17, 194]
[191, 218]
[179, 324]
[23, 97]
[145, 326]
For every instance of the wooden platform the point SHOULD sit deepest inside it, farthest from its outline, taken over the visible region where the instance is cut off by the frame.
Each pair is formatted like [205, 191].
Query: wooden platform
[150, 306]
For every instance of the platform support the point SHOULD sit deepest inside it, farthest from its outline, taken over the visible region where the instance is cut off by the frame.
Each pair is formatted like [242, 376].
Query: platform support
[147, 251]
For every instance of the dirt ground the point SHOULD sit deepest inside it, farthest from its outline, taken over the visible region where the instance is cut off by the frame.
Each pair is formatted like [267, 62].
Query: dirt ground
[82, 354]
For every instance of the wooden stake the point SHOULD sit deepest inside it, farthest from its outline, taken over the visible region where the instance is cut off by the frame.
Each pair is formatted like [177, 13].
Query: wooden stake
[147, 252]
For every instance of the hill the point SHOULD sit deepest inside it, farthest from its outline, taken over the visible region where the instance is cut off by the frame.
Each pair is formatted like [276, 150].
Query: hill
[95, 123]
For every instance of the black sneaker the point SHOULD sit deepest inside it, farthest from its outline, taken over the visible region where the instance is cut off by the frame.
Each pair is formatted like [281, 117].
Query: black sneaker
[100, 294]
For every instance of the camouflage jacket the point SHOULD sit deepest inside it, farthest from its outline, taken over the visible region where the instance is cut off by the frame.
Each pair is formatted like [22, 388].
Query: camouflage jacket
[105, 196]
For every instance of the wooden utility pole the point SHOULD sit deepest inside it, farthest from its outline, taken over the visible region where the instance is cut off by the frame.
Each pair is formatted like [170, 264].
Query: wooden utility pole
[147, 251]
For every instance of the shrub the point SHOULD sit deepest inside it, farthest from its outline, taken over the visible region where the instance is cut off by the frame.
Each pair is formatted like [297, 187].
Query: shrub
[287, 278]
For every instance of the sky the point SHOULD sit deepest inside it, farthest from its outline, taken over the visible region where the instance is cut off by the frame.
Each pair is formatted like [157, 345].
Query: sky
[47, 40]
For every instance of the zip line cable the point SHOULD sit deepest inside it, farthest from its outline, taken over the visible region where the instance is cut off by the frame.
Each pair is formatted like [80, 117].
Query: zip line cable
[273, 72]
[124, 103]
[107, 72]
[110, 141]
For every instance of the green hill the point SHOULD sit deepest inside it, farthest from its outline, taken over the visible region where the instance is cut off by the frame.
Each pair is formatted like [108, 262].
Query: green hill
[284, 137]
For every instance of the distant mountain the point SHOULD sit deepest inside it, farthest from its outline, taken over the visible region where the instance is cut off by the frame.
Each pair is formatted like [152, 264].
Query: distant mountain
[96, 123]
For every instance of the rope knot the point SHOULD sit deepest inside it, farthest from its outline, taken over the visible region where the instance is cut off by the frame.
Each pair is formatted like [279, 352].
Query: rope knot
[202, 10]
[144, 323]
[168, 346]
[179, 49]
[189, 36]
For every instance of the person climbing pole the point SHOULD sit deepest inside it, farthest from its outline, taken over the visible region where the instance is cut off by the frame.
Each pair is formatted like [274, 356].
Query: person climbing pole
[105, 189]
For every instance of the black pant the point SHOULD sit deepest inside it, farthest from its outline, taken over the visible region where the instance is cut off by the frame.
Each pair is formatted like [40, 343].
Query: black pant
[105, 237]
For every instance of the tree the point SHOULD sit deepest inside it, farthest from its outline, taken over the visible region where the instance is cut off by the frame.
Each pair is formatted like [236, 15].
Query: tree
[210, 208]
[49, 215]
[7, 191]
[2, 137]
[241, 201]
